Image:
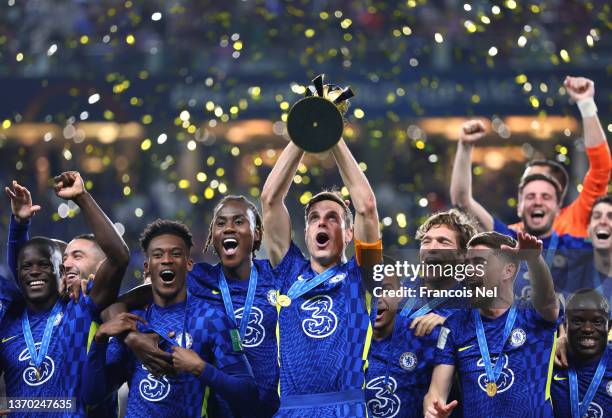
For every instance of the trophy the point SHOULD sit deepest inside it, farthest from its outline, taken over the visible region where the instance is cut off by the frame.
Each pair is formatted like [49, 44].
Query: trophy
[315, 123]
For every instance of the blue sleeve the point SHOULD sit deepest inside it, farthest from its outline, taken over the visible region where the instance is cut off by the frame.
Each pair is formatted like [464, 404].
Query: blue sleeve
[235, 384]
[18, 236]
[502, 228]
[104, 371]
[445, 347]
[290, 266]
[533, 317]
[8, 293]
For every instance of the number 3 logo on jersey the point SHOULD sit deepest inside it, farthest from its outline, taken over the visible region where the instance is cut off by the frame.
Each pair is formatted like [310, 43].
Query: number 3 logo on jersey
[506, 378]
[29, 374]
[384, 404]
[154, 390]
[594, 411]
[323, 321]
[255, 332]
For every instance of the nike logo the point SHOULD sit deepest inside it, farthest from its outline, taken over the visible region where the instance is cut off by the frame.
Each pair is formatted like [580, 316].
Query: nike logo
[556, 377]
[8, 339]
[215, 292]
[465, 348]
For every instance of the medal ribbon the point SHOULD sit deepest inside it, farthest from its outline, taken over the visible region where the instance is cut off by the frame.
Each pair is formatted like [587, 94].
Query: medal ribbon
[248, 303]
[552, 248]
[299, 287]
[493, 374]
[577, 409]
[38, 358]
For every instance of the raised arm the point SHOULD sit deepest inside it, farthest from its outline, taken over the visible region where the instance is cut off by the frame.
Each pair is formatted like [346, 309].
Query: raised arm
[366, 216]
[22, 210]
[461, 179]
[543, 295]
[434, 403]
[70, 186]
[277, 223]
[595, 184]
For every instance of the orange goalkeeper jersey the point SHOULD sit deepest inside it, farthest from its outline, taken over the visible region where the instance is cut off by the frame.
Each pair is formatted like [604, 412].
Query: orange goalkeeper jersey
[574, 218]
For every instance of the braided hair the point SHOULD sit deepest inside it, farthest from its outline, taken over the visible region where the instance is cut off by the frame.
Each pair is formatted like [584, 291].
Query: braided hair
[250, 206]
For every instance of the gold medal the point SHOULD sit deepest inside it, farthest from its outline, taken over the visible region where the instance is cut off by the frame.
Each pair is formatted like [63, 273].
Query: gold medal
[491, 389]
[37, 371]
[284, 300]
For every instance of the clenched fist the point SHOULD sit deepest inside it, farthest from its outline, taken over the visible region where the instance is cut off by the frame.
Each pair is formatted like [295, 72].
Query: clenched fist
[579, 88]
[472, 131]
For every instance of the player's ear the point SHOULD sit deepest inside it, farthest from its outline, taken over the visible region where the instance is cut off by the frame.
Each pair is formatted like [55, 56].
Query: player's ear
[510, 270]
[146, 268]
[189, 264]
[348, 235]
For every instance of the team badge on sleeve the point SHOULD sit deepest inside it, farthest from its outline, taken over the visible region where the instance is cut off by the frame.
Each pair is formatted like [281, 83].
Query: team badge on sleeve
[609, 388]
[442, 337]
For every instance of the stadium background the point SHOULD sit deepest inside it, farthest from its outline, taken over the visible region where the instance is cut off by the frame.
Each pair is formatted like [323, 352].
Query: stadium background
[165, 107]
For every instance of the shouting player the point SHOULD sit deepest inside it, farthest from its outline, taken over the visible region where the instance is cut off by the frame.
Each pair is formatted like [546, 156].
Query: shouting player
[323, 325]
[196, 336]
[239, 284]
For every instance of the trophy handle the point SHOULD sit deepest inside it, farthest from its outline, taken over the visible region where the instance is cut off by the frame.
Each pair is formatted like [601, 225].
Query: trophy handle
[346, 94]
[318, 83]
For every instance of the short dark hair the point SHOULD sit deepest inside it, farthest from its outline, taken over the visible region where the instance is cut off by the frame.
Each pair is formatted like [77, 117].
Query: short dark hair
[91, 238]
[455, 220]
[53, 247]
[250, 206]
[88, 237]
[556, 170]
[602, 199]
[494, 240]
[334, 196]
[541, 176]
[162, 227]
[590, 294]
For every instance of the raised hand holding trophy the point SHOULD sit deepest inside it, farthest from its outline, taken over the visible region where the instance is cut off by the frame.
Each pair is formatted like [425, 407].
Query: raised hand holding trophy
[315, 123]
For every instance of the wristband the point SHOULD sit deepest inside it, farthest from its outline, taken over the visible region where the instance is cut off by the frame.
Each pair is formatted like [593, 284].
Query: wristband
[587, 107]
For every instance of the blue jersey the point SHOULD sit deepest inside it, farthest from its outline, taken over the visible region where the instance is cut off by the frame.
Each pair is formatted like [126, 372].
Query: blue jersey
[259, 342]
[61, 369]
[8, 293]
[323, 338]
[524, 383]
[601, 405]
[573, 270]
[197, 327]
[410, 371]
[565, 244]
